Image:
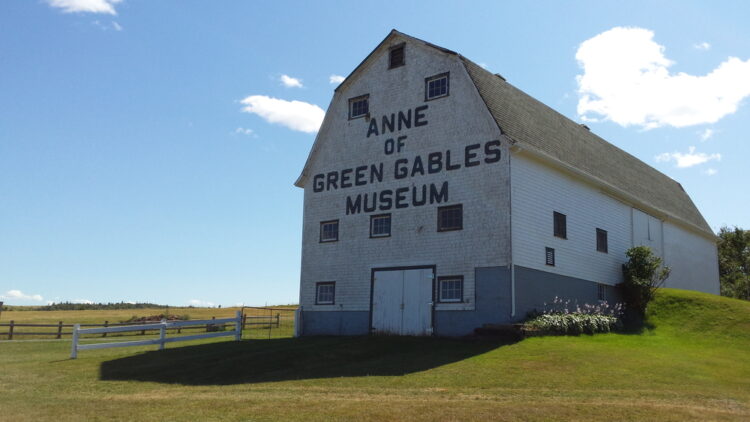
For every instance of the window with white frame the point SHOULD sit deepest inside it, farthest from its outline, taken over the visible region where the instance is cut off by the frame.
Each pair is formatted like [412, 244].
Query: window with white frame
[436, 86]
[450, 289]
[380, 225]
[329, 231]
[325, 293]
[359, 106]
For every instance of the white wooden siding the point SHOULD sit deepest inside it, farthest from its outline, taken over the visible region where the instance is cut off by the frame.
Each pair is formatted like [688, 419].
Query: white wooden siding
[693, 259]
[648, 231]
[537, 191]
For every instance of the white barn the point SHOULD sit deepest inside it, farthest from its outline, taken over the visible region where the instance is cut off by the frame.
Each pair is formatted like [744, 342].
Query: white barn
[439, 198]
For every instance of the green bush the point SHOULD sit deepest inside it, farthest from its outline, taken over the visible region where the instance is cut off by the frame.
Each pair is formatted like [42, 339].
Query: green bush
[643, 274]
[573, 323]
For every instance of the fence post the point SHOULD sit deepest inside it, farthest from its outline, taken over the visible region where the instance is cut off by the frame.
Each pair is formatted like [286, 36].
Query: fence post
[162, 333]
[244, 321]
[10, 330]
[59, 330]
[106, 324]
[277, 320]
[238, 326]
[74, 346]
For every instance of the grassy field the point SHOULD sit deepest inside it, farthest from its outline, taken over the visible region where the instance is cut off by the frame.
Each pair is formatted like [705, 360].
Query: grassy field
[693, 364]
[286, 321]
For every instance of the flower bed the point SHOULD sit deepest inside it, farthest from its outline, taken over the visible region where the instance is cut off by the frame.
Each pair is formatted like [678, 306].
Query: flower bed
[557, 318]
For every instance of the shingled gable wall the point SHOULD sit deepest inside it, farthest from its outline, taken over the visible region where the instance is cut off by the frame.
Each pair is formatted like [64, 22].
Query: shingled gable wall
[454, 122]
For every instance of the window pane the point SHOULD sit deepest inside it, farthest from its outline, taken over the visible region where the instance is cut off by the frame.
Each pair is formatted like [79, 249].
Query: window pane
[450, 218]
[451, 290]
[358, 107]
[559, 221]
[325, 293]
[601, 240]
[437, 87]
[380, 225]
[329, 231]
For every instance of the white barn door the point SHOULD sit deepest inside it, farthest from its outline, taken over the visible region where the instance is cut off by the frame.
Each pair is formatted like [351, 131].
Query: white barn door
[402, 302]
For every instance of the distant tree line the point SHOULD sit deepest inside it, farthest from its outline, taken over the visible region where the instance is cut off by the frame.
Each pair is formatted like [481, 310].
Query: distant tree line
[68, 306]
[734, 262]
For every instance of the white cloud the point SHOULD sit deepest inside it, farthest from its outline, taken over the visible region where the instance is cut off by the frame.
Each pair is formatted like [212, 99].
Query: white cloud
[200, 303]
[626, 79]
[106, 27]
[702, 46]
[336, 79]
[689, 159]
[85, 6]
[19, 295]
[710, 172]
[243, 131]
[82, 301]
[296, 115]
[290, 82]
[706, 134]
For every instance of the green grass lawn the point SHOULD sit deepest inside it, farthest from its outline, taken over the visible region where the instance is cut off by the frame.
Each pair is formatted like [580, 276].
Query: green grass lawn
[693, 364]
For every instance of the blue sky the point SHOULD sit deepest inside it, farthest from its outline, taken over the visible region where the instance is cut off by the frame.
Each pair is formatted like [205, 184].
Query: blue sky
[148, 148]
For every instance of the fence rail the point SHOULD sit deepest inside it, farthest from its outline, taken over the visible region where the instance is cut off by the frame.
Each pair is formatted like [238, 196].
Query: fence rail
[163, 326]
[247, 321]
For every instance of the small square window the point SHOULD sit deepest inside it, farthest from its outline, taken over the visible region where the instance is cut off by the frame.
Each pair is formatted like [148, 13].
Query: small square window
[560, 223]
[325, 293]
[601, 240]
[359, 106]
[450, 218]
[380, 225]
[396, 56]
[549, 256]
[436, 86]
[329, 231]
[451, 289]
[601, 291]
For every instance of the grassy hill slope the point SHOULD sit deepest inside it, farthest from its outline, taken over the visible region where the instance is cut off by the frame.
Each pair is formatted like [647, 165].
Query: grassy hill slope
[692, 364]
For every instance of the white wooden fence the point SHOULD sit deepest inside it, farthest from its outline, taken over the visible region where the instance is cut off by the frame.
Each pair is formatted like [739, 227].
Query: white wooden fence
[163, 326]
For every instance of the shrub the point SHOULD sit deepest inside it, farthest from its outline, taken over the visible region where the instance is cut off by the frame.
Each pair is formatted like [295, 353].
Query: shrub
[558, 317]
[643, 274]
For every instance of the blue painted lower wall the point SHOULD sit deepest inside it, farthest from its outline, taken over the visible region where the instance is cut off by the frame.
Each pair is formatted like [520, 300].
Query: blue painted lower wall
[336, 323]
[492, 303]
[534, 288]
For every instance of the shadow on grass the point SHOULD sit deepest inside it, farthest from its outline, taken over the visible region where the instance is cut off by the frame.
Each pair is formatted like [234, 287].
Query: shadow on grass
[254, 361]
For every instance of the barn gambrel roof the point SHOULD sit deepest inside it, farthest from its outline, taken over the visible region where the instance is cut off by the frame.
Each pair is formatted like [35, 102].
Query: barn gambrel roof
[537, 128]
